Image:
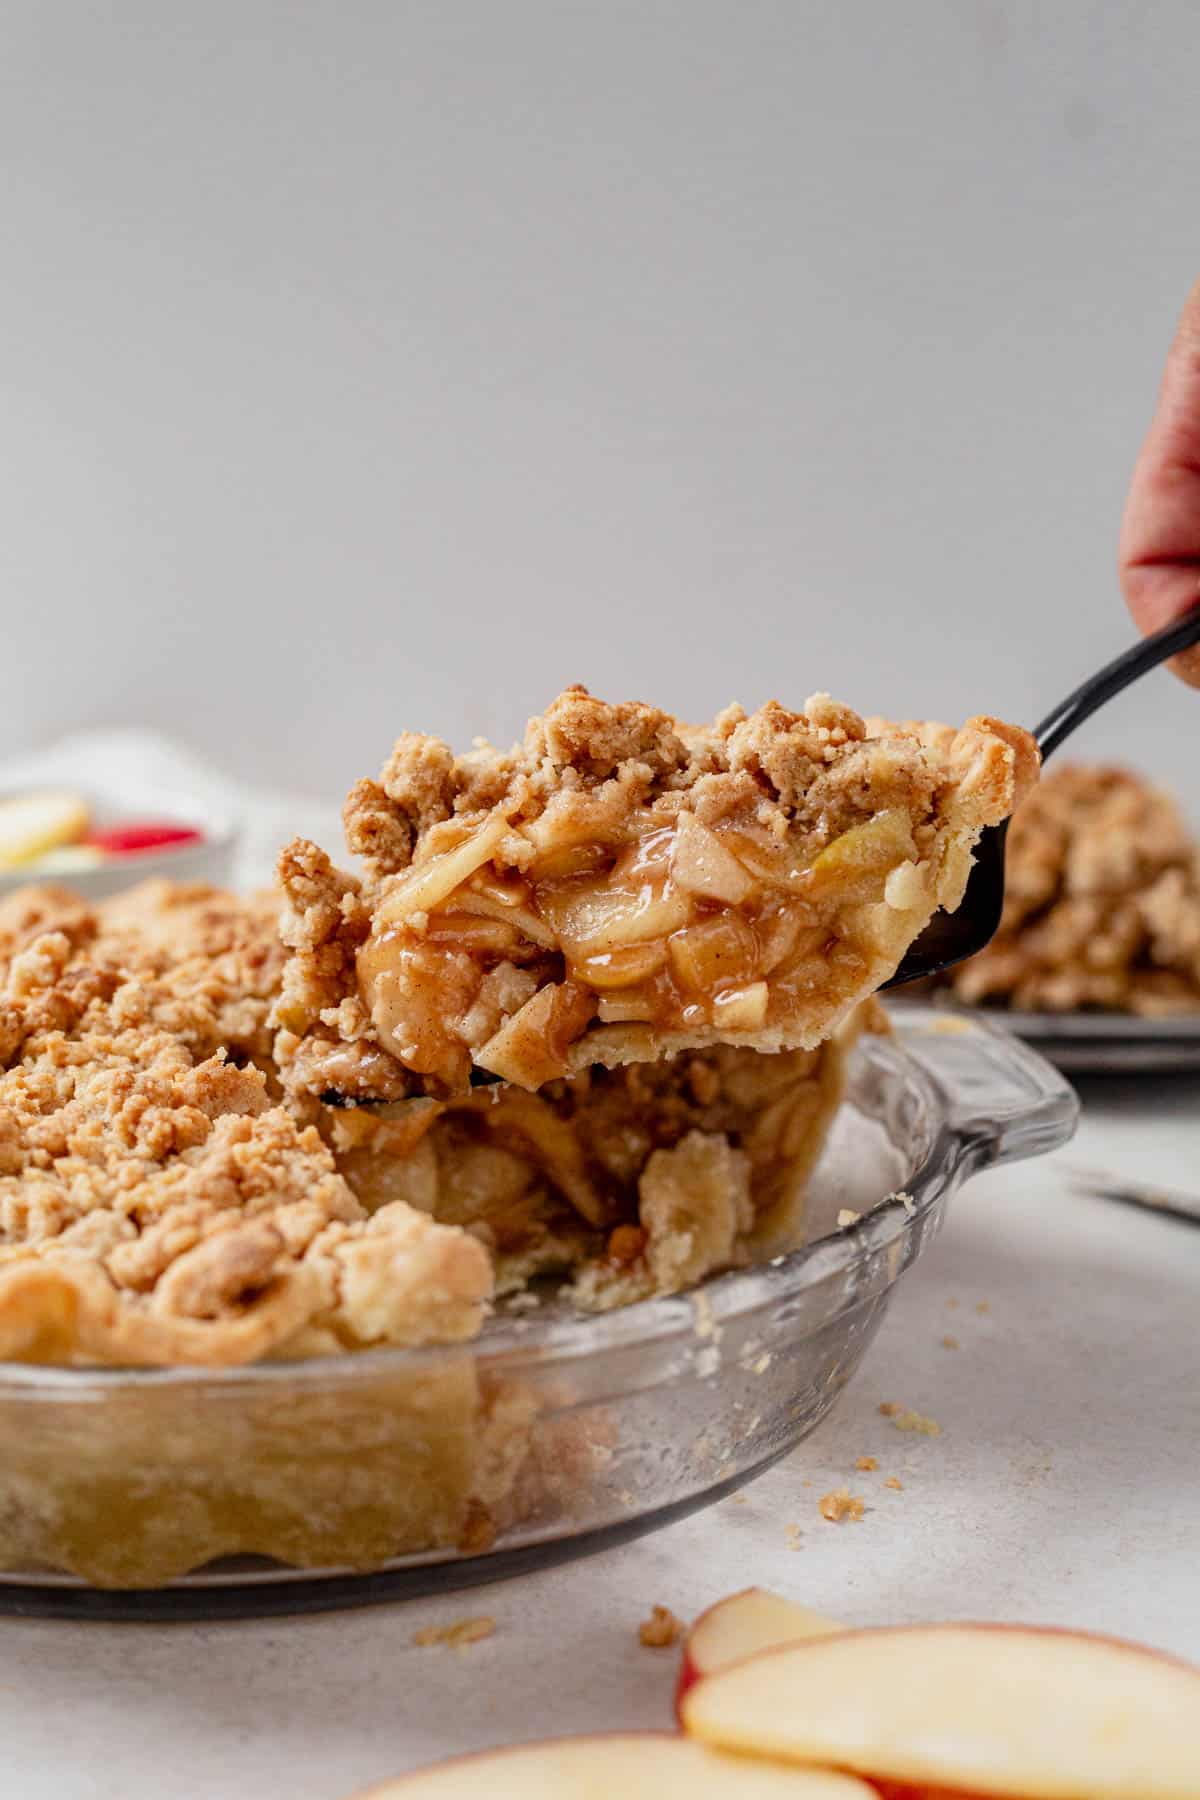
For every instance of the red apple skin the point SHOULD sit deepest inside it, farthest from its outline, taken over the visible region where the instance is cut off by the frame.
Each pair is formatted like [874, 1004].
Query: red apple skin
[890, 1790]
[688, 1675]
[140, 835]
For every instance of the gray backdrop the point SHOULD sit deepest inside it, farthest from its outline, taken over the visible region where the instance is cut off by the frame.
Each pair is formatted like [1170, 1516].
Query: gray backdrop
[381, 365]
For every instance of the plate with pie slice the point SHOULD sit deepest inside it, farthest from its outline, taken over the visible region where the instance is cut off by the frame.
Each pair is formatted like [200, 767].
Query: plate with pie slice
[1097, 1043]
[1097, 959]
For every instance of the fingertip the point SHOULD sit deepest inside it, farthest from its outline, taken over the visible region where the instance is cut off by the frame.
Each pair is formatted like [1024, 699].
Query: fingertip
[1187, 666]
[1188, 333]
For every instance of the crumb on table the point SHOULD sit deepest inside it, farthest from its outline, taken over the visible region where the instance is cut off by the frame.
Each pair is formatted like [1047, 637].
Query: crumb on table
[894, 1481]
[907, 1420]
[867, 1463]
[661, 1629]
[458, 1634]
[983, 1306]
[841, 1504]
[478, 1532]
[949, 1025]
[950, 1343]
[792, 1536]
[889, 1408]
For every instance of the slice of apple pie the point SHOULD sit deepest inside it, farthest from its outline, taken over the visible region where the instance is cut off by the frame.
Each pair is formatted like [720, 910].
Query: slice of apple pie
[620, 887]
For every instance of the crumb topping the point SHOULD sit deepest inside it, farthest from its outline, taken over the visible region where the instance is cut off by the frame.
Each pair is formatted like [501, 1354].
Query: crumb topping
[156, 1204]
[661, 1629]
[907, 1420]
[458, 1635]
[840, 1505]
[585, 753]
[1102, 902]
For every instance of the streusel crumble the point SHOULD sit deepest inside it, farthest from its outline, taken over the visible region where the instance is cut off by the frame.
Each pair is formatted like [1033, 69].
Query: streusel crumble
[157, 1207]
[1102, 902]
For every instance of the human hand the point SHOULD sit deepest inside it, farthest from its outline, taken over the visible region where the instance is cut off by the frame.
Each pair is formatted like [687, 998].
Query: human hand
[1159, 554]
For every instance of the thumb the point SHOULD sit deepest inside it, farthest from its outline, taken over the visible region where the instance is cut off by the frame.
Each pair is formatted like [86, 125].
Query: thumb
[1159, 552]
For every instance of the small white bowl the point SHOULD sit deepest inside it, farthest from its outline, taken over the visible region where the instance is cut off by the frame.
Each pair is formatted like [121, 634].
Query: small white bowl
[207, 861]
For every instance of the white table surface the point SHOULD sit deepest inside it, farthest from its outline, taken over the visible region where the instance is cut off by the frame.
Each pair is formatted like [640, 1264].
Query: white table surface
[1065, 1488]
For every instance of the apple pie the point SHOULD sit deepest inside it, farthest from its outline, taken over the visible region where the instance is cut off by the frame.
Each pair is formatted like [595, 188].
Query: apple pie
[164, 1205]
[164, 1201]
[1102, 902]
[621, 887]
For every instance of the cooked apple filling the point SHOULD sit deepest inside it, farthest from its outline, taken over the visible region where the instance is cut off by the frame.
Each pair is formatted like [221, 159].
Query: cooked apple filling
[689, 930]
[629, 1181]
[621, 887]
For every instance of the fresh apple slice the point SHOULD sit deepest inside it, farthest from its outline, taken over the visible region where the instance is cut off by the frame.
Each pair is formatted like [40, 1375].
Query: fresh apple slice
[991, 1709]
[741, 1625]
[637, 1765]
[32, 824]
[68, 860]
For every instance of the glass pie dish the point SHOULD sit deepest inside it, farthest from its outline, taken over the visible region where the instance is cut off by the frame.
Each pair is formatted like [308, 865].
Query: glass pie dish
[286, 1487]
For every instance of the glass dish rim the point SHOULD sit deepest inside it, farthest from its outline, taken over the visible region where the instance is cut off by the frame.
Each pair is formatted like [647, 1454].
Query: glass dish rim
[524, 1342]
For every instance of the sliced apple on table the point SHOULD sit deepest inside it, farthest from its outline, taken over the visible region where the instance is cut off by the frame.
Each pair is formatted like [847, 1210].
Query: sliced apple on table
[741, 1625]
[636, 1765]
[1018, 1711]
[32, 824]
